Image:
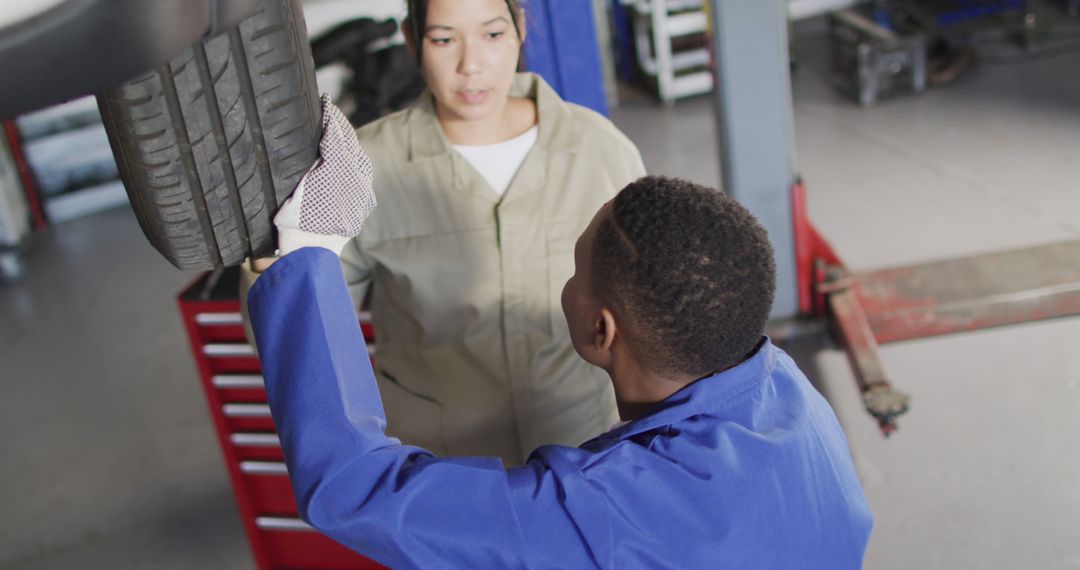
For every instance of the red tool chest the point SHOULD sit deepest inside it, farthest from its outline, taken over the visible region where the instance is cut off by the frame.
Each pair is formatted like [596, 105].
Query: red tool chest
[232, 381]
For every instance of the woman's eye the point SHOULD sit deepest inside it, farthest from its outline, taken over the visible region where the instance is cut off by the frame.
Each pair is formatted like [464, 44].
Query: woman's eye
[439, 41]
[495, 35]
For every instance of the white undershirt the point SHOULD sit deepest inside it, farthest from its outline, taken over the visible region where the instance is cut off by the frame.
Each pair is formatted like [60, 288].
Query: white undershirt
[498, 163]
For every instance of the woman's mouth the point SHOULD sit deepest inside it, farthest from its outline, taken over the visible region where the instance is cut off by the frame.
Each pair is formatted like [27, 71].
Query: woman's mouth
[474, 96]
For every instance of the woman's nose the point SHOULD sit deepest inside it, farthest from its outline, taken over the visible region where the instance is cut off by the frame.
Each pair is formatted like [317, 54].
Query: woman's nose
[470, 59]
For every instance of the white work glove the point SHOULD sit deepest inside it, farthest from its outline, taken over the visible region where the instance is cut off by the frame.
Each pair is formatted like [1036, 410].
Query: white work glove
[335, 197]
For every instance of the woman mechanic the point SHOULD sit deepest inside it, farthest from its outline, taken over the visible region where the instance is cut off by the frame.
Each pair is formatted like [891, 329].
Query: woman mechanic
[483, 186]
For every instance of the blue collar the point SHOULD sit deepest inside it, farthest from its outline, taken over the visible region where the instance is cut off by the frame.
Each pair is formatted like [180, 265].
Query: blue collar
[709, 394]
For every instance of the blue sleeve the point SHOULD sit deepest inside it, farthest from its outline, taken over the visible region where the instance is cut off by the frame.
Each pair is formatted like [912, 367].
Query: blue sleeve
[396, 504]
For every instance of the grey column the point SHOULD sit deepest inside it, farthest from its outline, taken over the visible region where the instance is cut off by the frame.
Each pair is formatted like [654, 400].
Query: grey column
[755, 124]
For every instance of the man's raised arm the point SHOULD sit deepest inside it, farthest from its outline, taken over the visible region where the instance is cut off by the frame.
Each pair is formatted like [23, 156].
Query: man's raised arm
[398, 505]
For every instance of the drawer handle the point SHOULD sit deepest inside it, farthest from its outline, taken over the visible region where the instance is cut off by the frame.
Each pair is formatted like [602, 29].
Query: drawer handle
[232, 349]
[246, 350]
[263, 468]
[208, 319]
[282, 523]
[237, 381]
[246, 410]
[255, 440]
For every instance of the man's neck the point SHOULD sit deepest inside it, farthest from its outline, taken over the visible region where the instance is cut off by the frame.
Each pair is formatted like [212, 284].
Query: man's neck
[629, 412]
[637, 390]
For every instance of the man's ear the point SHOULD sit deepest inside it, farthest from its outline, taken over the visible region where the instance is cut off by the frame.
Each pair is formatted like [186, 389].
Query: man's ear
[606, 330]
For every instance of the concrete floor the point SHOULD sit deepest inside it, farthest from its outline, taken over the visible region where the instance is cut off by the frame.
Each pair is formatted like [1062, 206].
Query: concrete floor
[109, 459]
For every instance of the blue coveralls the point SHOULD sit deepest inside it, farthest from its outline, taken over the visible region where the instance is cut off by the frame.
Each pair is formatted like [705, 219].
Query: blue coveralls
[744, 469]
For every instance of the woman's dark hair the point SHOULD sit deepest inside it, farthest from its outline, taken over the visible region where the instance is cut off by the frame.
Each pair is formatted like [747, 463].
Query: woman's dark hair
[689, 269]
[416, 20]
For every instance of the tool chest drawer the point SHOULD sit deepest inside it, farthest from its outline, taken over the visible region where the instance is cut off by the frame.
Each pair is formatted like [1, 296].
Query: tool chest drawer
[268, 488]
[239, 387]
[246, 417]
[295, 545]
[256, 446]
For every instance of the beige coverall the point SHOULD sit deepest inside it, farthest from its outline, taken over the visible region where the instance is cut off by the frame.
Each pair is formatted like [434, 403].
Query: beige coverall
[473, 353]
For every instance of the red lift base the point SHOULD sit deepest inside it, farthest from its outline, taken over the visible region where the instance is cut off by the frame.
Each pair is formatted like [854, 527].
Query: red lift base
[971, 293]
[917, 301]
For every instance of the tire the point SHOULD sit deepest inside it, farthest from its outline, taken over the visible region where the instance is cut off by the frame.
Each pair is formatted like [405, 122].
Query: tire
[211, 143]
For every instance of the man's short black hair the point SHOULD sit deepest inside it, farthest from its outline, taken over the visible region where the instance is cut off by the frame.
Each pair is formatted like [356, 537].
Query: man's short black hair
[689, 270]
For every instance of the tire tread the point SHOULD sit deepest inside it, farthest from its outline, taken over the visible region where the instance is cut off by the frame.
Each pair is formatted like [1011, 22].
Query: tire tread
[211, 143]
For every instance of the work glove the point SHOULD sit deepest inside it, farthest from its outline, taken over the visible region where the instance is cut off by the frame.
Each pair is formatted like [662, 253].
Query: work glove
[335, 197]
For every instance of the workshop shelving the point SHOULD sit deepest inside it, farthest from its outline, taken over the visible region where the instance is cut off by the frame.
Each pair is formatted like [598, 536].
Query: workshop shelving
[659, 27]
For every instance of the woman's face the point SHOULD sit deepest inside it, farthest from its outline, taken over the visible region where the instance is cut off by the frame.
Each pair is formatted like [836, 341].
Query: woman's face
[469, 57]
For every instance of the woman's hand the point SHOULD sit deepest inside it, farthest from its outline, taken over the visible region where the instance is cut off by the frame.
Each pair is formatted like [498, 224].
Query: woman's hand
[334, 198]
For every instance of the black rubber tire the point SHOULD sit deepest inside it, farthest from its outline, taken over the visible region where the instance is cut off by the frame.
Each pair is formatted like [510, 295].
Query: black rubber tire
[209, 144]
